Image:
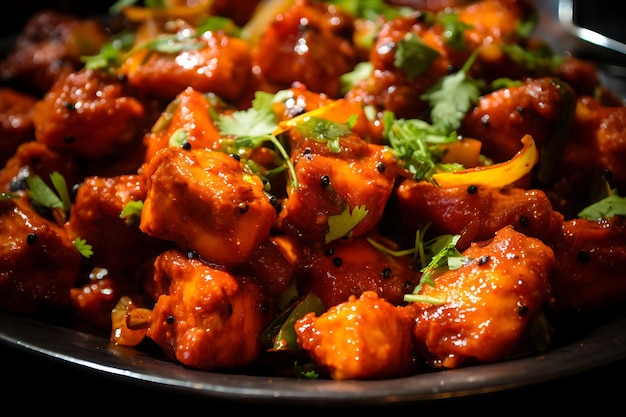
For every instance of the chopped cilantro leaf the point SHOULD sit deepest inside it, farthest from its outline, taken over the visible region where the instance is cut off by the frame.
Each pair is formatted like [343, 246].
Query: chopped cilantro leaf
[361, 71]
[446, 257]
[254, 126]
[324, 130]
[452, 96]
[178, 138]
[415, 143]
[610, 206]
[453, 29]
[258, 120]
[341, 225]
[132, 212]
[85, 249]
[61, 188]
[413, 55]
[41, 194]
[8, 196]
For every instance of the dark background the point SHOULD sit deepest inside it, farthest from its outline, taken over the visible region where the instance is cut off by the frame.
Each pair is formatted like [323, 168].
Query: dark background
[12, 21]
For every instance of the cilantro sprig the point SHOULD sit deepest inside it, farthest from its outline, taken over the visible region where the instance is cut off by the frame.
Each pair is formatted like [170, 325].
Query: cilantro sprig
[434, 256]
[324, 130]
[446, 258]
[84, 248]
[413, 56]
[452, 96]
[44, 197]
[57, 201]
[131, 212]
[610, 206]
[254, 126]
[415, 142]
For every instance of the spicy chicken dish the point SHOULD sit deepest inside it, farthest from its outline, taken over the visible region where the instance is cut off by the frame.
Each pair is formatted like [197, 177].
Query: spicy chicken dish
[316, 189]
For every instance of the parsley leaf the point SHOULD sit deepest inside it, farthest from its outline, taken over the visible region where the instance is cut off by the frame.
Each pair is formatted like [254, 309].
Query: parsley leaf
[341, 225]
[610, 206]
[447, 257]
[41, 194]
[324, 130]
[85, 249]
[413, 55]
[132, 212]
[254, 126]
[258, 120]
[453, 29]
[361, 71]
[452, 96]
[415, 143]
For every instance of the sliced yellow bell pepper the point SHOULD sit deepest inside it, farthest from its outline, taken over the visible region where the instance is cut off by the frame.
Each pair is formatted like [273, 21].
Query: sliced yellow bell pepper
[497, 175]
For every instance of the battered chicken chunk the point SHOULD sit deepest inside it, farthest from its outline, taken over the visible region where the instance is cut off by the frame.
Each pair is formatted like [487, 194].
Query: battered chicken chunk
[187, 115]
[336, 271]
[206, 317]
[206, 201]
[591, 260]
[362, 338]
[16, 123]
[38, 261]
[88, 114]
[222, 65]
[595, 150]
[309, 43]
[540, 107]
[360, 175]
[475, 213]
[486, 305]
[124, 254]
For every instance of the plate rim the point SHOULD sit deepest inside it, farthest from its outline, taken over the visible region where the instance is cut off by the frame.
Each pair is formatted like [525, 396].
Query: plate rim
[603, 345]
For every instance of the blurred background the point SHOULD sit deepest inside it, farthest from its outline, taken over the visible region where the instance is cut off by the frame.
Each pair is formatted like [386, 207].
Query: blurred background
[12, 22]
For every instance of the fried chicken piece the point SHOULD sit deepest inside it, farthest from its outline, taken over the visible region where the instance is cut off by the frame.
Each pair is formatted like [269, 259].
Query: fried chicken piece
[38, 261]
[336, 271]
[361, 175]
[206, 201]
[362, 338]
[485, 306]
[89, 115]
[310, 44]
[595, 150]
[223, 65]
[123, 254]
[540, 107]
[475, 213]
[16, 122]
[50, 46]
[591, 260]
[35, 158]
[399, 88]
[190, 112]
[206, 317]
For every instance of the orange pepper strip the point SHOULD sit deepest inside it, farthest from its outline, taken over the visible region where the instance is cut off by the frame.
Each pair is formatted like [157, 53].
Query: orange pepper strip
[338, 111]
[138, 13]
[497, 175]
[465, 152]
